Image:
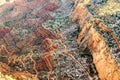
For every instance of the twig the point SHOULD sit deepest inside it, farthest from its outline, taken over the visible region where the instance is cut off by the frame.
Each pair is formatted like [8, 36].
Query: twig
[76, 61]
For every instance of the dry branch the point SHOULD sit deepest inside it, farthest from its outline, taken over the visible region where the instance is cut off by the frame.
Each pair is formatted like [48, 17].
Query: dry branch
[102, 57]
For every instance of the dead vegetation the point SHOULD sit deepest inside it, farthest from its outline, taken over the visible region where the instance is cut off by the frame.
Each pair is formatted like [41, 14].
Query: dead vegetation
[89, 37]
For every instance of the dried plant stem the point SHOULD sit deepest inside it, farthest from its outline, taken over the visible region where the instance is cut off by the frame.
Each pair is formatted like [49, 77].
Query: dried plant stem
[78, 62]
[70, 55]
[104, 62]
